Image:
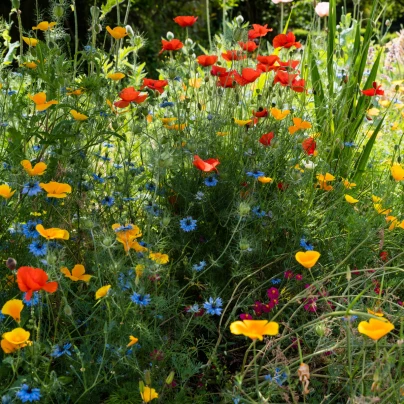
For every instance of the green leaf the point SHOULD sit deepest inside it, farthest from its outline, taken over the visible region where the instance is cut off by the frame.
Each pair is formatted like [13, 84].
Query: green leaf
[108, 6]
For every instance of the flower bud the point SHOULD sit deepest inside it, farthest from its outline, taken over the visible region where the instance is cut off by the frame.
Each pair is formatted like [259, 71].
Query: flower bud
[239, 19]
[388, 23]
[147, 377]
[11, 263]
[130, 31]
[189, 42]
[68, 310]
[108, 241]
[95, 12]
[97, 28]
[170, 35]
[170, 377]
[244, 245]
[58, 11]
[51, 259]
[166, 220]
[15, 4]
[320, 329]
[244, 209]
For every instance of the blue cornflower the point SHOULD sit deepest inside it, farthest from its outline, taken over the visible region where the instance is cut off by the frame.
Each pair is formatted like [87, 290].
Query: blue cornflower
[141, 300]
[59, 351]
[11, 92]
[211, 181]
[188, 224]
[276, 281]
[258, 211]
[255, 174]
[108, 201]
[38, 248]
[124, 280]
[307, 247]
[214, 306]
[108, 145]
[98, 178]
[32, 188]
[166, 104]
[150, 187]
[153, 209]
[29, 230]
[199, 195]
[349, 318]
[200, 266]
[28, 394]
[33, 301]
[103, 114]
[209, 117]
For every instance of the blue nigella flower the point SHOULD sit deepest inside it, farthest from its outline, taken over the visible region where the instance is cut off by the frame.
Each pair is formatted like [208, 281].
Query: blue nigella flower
[211, 181]
[307, 247]
[141, 300]
[108, 201]
[276, 281]
[123, 228]
[130, 199]
[27, 394]
[349, 318]
[193, 309]
[279, 377]
[117, 166]
[33, 301]
[98, 178]
[38, 248]
[200, 266]
[32, 188]
[150, 187]
[188, 224]
[6, 166]
[255, 174]
[59, 351]
[124, 280]
[11, 92]
[89, 49]
[6, 399]
[29, 230]
[36, 147]
[153, 209]
[166, 104]
[258, 211]
[214, 306]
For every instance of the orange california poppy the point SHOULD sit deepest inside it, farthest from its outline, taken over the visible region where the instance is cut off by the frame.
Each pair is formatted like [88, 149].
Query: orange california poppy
[52, 233]
[56, 189]
[40, 101]
[77, 274]
[38, 169]
[34, 279]
[254, 329]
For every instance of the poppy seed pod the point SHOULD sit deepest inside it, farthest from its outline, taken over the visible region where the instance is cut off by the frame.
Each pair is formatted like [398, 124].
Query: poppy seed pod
[244, 209]
[239, 19]
[169, 35]
[11, 263]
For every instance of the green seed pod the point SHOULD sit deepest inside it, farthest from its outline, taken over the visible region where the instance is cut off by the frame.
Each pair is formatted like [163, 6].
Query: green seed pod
[170, 377]
[68, 310]
[58, 10]
[95, 12]
[244, 209]
[320, 329]
[244, 245]
[15, 4]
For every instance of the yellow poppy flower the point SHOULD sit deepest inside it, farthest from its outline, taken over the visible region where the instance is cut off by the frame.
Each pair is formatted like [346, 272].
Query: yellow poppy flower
[278, 114]
[78, 116]
[133, 341]
[397, 172]
[350, 199]
[299, 124]
[56, 189]
[77, 274]
[116, 76]
[241, 122]
[373, 112]
[139, 269]
[381, 210]
[6, 192]
[394, 126]
[117, 32]
[384, 103]
[18, 336]
[52, 233]
[40, 101]
[326, 177]
[347, 184]
[376, 199]
[44, 26]
[377, 313]
[195, 82]
[254, 329]
[13, 308]
[148, 394]
[8, 347]
[393, 222]
[375, 329]
[30, 41]
[308, 258]
[265, 180]
[167, 121]
[102, 292]
[222, 133]
[30, 65]
[176, 126]
[159, 258]
[38, 169]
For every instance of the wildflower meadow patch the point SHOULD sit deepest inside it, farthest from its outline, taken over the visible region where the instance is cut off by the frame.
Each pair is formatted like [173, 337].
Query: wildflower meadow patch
[228, 228]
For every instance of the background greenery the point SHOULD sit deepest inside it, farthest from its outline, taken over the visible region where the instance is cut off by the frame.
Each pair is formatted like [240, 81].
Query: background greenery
[153, 18]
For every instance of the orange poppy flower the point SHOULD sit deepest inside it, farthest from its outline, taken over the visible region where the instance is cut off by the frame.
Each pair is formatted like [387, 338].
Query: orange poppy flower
[254, 329]
[173, 45]
[34, 279]
[375, 329]
[40, 101]
[38, 169]
[52, 233]
[6, 192]
[128, 95]
[278, 114]
[56, 189]
[44, 26]
[30, 41]
[298, 125]
[206, 60]
[205, 165]
[185, 20]
[117, 32]
[13, 308]
[77, 274]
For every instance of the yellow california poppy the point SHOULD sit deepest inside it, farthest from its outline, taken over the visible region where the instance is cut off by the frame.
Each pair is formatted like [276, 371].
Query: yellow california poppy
[132, 340]
[77, 274]
[78, 116]
[52, 233]
[307, 258]
[375, 329]
[117, 32]
[38, 169]
[254, 329]
[56, 189]
[13, 309]
[102, 292]
[6, 192]
[40, 101]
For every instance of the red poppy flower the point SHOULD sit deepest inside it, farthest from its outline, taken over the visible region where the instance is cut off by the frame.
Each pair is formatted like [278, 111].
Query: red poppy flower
[185, 20]
[261, 113]
[286, 41]
[33, 279]
[205, 165]
[266, 139]
[231, 55]
[247, 76]
[384, 255]
[258, 31]
[218, 71]
[207, 60]
[129, 95]
[309, 145]
[268, 63]
[298, 85]
[282, 186]
[248, 46]
[226, 80]
[289, 65]
[157, 85]
[284, 78]
[375, 90]
[173, 45]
